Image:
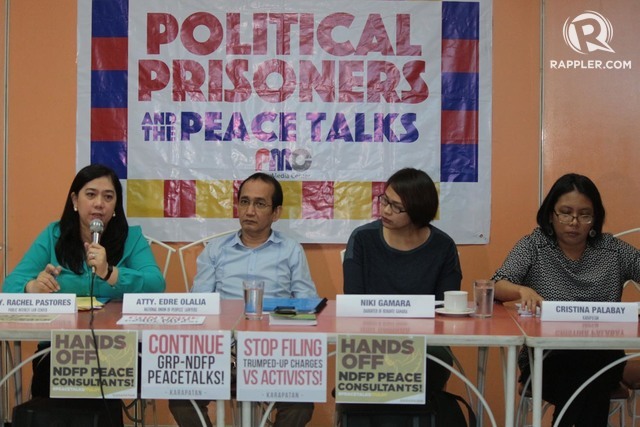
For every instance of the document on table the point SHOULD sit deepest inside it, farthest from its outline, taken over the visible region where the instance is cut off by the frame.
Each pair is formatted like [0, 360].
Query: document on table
[144, 319]
[84, 303]
[27, 318]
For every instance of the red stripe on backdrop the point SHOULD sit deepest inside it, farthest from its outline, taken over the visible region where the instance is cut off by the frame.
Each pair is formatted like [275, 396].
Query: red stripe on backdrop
[317, 200]
[460, 56]
[109, 124]
[179, 199]
[459, 127]
[377, 188]
[109, 53]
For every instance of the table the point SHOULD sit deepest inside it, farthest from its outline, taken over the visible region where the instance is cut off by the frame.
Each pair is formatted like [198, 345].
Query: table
[106, 319]
[497, 331]
[548, 335]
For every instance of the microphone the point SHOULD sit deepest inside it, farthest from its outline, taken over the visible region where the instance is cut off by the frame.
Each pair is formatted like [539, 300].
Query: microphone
[96, 227]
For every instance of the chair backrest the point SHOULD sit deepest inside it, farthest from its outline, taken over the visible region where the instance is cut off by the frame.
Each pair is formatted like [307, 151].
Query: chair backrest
[169, 251]
[625, 233]
[199, 245]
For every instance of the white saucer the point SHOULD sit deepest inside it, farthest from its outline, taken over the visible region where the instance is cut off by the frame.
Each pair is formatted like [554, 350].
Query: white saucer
[446, 312]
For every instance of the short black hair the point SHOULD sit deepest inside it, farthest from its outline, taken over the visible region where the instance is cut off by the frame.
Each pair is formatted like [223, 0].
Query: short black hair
[566, 184]
[277, 198]
[418, 194]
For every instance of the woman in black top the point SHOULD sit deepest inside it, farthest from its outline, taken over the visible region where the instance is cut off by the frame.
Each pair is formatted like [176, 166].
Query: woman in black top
[403, 254]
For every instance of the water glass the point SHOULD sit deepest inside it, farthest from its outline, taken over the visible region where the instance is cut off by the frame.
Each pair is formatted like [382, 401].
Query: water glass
[253, 296]
[483, 297]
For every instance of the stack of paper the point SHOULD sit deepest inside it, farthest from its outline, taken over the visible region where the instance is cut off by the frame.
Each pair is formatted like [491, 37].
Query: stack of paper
[84, 303]
[301, 319]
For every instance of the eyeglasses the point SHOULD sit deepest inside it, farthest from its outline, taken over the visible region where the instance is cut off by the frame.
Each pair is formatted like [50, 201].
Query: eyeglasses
[258, 204]
[564, 218]
[395, 208]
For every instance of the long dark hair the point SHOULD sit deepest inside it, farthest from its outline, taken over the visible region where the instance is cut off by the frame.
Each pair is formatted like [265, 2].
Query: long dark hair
[70, 248]
[566, 184]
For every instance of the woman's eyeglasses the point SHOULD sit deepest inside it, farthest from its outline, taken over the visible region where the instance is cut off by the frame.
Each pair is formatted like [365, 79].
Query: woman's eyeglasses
[564, 218]
[395, 208]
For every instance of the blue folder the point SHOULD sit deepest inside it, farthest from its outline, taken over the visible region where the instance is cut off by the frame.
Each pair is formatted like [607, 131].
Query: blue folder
[302, 305]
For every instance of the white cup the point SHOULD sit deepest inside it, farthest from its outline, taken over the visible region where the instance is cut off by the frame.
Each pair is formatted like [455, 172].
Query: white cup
[456, 301]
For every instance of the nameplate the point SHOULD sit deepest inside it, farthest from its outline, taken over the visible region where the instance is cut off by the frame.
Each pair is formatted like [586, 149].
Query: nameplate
[171, 303]
[583, 311]
[385, 305]
[38, 303]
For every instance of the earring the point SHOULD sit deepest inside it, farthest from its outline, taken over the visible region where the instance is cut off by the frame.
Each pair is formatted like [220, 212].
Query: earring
[550, 231]
[592, 233]
[114, 215]
[75, 208]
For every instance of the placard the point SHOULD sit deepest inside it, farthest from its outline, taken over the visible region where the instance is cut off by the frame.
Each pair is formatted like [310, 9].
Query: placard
[75, 372]
[381, 369]
[186, 365]
[283, 367]
[171, 303]
[588, 311]
[417, 306]
[38, 303]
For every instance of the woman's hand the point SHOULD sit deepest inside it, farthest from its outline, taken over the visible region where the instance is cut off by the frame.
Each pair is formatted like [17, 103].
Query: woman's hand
[508, 291]
[96, 258]
[529, 299]
[46, 281]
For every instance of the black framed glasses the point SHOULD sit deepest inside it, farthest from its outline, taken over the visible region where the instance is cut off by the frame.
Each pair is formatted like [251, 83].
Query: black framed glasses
[384, 202]
[565, 218]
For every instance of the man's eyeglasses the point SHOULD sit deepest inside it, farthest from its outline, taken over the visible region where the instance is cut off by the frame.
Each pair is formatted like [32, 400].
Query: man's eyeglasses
[258, 204]
[395, 208]
[564, 218]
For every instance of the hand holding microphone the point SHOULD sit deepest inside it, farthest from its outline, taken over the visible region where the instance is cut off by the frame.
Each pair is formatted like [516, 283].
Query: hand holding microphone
[95, 253]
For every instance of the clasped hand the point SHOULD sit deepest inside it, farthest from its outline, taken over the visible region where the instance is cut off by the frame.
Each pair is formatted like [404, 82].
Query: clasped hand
[96, 257]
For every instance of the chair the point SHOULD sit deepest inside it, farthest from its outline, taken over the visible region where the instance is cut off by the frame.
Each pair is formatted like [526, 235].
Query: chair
[169, 252]
[140, 405]
[202, 242]
[624, 233]
[618, 404]
[631, 379]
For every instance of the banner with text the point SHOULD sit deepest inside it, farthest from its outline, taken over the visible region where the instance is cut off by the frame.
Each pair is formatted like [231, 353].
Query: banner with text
[186, 99]
[186, 365]
[381, 369]
[76, 373]
[283, 367]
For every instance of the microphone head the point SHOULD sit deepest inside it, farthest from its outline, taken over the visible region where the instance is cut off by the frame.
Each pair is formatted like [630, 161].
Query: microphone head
[96, 226]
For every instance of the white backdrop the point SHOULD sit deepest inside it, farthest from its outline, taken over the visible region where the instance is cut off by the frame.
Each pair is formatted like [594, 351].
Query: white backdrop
[186, 99]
